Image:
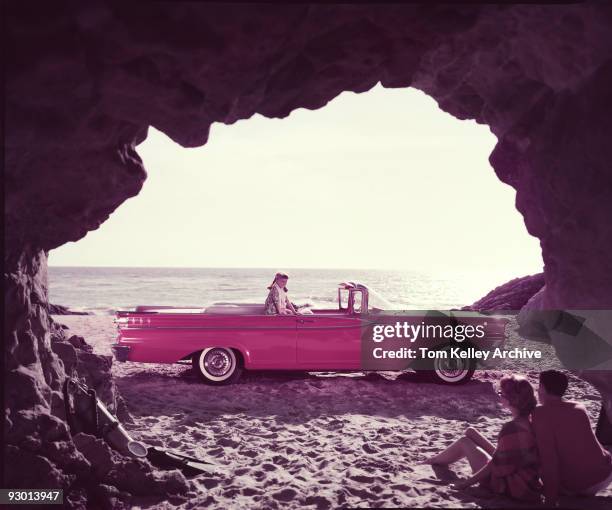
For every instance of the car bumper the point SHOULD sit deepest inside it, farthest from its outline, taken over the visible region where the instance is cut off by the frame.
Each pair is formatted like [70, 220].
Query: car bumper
[121, 352]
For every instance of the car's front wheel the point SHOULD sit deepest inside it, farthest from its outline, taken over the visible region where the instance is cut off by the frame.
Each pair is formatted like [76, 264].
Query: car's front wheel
[217, 365]
[451, 370]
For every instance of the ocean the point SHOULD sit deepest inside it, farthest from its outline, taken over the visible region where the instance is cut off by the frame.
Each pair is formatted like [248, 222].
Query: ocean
[103, 290]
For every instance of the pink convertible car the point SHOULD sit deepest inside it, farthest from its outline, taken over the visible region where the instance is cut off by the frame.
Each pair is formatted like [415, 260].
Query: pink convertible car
[223, 339]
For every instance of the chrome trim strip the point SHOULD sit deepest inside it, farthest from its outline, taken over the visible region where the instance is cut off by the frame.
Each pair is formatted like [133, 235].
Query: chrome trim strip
[238, 328]
[296, 327]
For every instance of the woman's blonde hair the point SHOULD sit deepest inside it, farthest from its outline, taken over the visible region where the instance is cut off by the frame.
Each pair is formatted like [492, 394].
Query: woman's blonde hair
[519, 393]
[278, 276]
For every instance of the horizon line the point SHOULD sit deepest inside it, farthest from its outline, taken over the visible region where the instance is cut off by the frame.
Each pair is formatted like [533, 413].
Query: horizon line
[414, 269]
[223, 267]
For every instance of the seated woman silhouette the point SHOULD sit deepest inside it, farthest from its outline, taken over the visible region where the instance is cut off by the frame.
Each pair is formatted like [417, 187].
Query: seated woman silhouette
[512, 467]
[277, 302]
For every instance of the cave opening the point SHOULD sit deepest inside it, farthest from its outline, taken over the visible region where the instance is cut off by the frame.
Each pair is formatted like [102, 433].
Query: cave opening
[382, 180]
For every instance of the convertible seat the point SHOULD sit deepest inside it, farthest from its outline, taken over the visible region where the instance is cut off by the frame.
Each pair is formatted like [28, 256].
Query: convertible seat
[235, 309]
[168, 309]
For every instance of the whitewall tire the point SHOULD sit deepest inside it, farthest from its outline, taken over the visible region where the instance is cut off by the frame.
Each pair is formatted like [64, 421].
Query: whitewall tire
[452, 370]
[217, 365]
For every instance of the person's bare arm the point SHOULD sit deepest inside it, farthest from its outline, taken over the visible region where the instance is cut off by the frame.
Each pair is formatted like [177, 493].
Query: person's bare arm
[549, 459]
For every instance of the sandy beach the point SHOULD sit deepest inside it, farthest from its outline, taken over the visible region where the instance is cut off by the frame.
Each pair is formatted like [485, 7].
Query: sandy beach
[297, 440]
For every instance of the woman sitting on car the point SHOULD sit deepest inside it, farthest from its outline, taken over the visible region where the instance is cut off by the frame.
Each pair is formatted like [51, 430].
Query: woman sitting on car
[277, 302]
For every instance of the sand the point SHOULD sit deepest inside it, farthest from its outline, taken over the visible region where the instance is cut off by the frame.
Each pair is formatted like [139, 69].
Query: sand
[297, 440]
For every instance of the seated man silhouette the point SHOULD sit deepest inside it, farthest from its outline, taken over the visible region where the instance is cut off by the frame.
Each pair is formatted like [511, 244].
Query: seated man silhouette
[572, 461]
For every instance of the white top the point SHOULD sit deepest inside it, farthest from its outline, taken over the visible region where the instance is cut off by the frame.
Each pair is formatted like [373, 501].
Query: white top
[282, 298]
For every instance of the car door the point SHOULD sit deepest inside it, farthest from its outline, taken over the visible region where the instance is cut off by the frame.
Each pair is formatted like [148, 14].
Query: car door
[270, 341]
[328, 341]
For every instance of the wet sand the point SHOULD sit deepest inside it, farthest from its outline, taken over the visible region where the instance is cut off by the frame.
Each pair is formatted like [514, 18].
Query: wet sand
[298, 440]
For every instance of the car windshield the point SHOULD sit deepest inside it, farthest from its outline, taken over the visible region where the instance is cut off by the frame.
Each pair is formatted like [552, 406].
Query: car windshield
[376, 302]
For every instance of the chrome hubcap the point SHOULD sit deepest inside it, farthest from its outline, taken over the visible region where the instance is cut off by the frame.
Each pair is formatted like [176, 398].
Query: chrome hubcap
[217, 362]
[451, 368]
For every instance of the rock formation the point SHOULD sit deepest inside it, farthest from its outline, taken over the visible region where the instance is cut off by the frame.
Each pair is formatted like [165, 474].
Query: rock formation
[512, 295]
[63, 310]
[85, 80]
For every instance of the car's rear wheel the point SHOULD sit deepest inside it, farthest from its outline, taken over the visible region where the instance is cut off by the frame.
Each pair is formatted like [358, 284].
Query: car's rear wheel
[217, 365]
[451, 370]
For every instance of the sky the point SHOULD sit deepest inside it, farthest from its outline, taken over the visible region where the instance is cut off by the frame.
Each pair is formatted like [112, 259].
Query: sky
[382, 179]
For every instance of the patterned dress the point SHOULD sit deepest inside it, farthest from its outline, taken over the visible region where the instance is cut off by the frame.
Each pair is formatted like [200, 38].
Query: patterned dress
[273, 301]
[515, 463]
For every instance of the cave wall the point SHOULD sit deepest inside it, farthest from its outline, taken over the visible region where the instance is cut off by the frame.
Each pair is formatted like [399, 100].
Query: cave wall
[85, 80]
